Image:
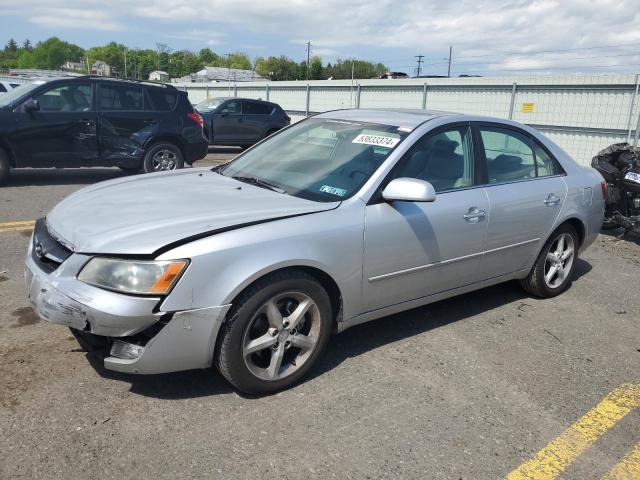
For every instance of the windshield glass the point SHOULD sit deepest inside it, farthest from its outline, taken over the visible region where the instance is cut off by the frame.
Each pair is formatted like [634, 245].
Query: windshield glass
[319, 159]
[209, 105]
[17, 92]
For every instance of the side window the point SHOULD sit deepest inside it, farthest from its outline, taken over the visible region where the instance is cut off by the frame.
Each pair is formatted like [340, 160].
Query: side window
[545, 165]
[2, 88]
[119, 97]
[160, 100]
[444, 158]
[232, 107]
[509, 155]
[257, 108]
[65, 98]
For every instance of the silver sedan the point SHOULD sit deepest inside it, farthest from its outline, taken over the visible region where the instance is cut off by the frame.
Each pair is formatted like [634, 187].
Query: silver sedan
[339, 219]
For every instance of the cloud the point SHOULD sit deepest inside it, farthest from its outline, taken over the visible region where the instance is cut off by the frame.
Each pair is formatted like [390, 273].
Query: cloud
[76, 19]
[474, 27]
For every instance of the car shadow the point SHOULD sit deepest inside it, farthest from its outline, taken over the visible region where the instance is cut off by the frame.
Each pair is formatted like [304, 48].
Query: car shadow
[223, 149]
[620, 234]
[348, 344]
[52, 176]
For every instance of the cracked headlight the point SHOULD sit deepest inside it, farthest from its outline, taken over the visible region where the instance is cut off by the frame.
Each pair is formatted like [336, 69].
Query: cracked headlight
[133, 276]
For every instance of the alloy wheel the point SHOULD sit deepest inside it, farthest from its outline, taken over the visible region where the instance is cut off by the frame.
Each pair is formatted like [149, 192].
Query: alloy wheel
[559, 260]
[281, 336]
[164, 160]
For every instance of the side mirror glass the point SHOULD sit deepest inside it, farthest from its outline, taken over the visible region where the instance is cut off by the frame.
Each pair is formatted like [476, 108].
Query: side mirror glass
[409, 190]
[31, 105]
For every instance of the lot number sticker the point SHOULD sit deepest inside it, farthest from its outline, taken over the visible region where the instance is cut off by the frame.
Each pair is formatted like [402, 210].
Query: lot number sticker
[377, 140]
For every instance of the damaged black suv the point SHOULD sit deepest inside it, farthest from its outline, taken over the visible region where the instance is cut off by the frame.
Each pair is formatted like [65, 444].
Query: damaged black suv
[94, 121]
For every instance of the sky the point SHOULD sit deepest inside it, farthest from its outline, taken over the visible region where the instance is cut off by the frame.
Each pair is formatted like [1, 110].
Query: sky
[488, 37]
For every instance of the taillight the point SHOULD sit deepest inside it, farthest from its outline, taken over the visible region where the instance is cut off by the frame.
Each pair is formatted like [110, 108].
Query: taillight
[196, 117]
[604, 187]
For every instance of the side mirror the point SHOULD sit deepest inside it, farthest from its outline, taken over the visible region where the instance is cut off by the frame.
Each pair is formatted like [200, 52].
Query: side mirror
[224, 112]
[409, 190]
[31, 105]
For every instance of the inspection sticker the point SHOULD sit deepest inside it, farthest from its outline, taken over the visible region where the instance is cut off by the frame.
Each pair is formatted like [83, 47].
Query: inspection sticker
[340, 192]
[377, 140]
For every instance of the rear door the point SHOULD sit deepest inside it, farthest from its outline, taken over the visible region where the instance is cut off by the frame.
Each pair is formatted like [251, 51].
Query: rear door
[124, 124]
[228, 124]
[526, 192]
[62, 133]
[257, 116]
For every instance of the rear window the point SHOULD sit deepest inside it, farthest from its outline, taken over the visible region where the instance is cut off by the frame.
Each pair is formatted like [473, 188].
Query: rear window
[160, 100]
[119, 97]
[256, 108]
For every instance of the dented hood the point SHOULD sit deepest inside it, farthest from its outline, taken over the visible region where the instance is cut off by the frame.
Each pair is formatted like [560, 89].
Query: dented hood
[144, 213]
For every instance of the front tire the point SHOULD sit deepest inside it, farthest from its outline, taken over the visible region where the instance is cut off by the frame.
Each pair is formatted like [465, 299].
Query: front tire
[163, 157]
[5, 166]
[275, 332]
[551, 274]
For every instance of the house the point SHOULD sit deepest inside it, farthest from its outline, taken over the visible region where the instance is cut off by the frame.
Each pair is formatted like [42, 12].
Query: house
[74, 66]
[222, 74]
[101, 68]
[159, 76]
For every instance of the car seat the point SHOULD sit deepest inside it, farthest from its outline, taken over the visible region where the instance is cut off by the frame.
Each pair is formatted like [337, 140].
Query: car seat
[444, 168]
[509, 167]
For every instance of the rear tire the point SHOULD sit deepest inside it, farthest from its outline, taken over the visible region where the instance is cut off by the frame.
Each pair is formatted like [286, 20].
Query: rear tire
[5, 166]
[264, 346]
[551, 274]
[161, 157]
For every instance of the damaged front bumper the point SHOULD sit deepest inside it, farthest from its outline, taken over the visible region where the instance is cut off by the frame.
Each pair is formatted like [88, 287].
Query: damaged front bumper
[141, 337]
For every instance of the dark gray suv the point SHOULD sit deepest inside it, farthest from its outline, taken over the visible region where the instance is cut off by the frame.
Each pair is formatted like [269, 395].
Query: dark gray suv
[240, 121]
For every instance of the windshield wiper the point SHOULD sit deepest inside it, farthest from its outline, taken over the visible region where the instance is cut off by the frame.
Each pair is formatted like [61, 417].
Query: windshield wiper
[258, 182]
[219, 167]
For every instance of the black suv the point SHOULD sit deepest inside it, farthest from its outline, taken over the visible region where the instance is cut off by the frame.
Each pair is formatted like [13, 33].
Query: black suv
[240, 121]
[94, 121]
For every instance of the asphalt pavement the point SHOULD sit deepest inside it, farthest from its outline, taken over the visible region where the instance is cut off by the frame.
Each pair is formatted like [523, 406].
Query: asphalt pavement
[492, 384]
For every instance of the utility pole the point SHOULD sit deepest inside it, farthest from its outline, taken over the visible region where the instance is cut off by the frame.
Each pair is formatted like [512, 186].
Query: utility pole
[419, 69]
[229, 74]
[125, 62]
[308, 57]
[449, 68]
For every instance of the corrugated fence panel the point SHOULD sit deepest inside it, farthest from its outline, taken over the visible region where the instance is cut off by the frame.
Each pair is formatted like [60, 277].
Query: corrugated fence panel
[582, 113]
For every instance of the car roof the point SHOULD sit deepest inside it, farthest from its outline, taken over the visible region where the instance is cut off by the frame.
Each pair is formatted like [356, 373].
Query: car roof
[396, 116]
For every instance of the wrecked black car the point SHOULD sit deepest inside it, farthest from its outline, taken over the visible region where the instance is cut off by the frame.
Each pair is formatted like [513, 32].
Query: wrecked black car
[619, 164]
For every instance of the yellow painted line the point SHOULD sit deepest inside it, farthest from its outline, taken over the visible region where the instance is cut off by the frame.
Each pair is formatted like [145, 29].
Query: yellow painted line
[549, 462]
[24, 228]
[13, 224]
[628, 468]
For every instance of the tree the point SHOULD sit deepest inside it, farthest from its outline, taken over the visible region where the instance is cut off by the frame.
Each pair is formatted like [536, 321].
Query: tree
[315, 68]
[26, 45]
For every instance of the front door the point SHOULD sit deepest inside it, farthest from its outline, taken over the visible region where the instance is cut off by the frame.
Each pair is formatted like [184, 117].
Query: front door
[228, 124]
[413, 250]
[62, 133]
[526, 192]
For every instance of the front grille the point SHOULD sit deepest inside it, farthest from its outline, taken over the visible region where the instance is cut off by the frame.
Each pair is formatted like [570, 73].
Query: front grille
[46, 251]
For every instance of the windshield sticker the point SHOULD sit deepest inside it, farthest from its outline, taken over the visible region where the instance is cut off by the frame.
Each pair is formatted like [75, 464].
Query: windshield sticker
[340, 192]
[377, 140]
[405, 129]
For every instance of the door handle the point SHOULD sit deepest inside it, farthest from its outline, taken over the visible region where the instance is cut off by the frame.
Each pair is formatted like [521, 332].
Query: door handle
[88, 122]
[474, 215]
[552, 200]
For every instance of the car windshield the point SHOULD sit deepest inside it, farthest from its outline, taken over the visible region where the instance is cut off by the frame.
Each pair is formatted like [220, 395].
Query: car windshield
[209, 105]
[12, 95]
[318, 159]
